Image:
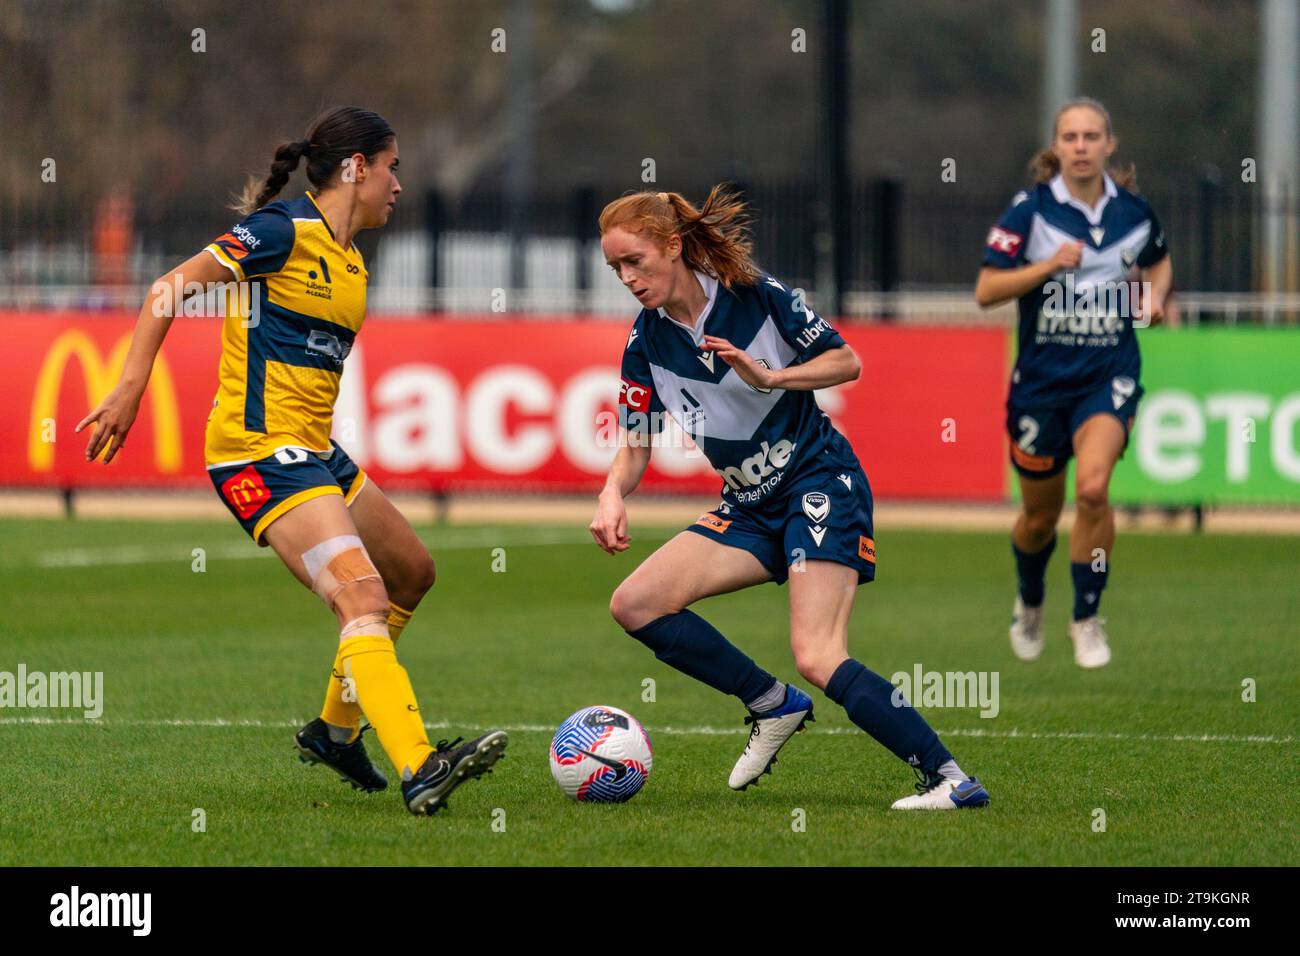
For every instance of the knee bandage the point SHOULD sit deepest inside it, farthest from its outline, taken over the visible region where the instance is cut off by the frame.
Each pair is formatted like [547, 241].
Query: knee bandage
[341, 573]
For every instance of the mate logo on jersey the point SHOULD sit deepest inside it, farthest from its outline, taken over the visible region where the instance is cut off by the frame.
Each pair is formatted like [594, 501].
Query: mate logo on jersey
[1004, 241]
[758, 467]
[634, 396]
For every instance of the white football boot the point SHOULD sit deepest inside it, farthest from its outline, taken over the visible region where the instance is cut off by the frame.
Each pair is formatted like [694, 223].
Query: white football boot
[1027, 638]
[940, 793]
[767, 734]
[1090, 648]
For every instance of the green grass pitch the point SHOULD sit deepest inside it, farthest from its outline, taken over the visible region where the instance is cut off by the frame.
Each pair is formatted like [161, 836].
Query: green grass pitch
[207, 674]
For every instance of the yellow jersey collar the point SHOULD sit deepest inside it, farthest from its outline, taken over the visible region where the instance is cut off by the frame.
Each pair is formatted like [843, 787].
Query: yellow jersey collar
[328, 228]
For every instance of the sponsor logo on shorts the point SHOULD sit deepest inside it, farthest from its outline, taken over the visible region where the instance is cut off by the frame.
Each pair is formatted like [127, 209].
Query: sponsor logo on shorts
[866, 548]
[1031, 462]
[246, 492]
[714, 523]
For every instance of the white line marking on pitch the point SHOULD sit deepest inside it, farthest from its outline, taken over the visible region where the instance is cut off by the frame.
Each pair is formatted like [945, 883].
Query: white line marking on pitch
[459, 539]
[1014, 734]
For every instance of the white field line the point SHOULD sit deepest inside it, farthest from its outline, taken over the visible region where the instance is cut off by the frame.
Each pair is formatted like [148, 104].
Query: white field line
[462, 539]
[1014, 734]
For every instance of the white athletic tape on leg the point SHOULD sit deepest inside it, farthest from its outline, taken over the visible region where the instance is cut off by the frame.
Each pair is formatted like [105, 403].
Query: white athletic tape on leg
[374, 624]
[316, 558]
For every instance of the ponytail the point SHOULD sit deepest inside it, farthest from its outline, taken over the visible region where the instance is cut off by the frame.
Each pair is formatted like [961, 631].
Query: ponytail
[286, 160]
[333, 137]
[715, 237]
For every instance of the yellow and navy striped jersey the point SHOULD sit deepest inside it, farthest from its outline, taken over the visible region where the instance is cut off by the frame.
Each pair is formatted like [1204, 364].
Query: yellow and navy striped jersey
[281, 363]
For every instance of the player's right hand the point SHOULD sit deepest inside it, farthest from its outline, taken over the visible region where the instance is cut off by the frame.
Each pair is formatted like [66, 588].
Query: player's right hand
[1069, 255]
[609, 527]
[113, 418]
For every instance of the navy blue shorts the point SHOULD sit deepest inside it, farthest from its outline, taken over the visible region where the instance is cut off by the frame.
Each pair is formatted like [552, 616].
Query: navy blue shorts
[258, 492]
[1042, 439]
[823, 516]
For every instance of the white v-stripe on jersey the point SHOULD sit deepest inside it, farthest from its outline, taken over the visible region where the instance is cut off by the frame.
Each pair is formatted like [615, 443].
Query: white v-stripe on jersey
[1076, 329]
[755, 439]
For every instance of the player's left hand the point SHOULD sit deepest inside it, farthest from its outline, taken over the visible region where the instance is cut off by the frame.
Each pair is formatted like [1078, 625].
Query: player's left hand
[750, 371]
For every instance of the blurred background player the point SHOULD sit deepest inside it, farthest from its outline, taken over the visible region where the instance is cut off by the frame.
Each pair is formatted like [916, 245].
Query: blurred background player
[1067, 249]
[733, 356]
[269, 452]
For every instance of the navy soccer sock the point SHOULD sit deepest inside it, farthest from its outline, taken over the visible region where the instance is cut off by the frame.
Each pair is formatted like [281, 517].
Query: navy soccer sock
[1088, 585]
[869, 701]
[695, 647]
[1031, 570]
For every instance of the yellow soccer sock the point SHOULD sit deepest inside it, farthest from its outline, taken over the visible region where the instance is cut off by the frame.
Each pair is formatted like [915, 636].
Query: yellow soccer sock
[387, 698]
[341, 708]
[398, 618]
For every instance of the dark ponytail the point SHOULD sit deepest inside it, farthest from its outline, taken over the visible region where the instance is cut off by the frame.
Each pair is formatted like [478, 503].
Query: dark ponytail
[332, 138]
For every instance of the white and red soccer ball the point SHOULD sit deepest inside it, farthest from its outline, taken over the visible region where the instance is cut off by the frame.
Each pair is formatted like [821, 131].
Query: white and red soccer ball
[601, 755]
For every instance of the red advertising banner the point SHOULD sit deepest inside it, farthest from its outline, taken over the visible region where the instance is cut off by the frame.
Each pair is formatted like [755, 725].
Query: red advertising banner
[497, 404]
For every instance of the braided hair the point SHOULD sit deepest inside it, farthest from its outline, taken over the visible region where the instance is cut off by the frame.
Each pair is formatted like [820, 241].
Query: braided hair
[332, 139]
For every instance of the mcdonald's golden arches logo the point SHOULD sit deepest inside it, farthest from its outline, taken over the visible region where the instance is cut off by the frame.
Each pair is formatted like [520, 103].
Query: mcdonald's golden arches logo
[100, 376]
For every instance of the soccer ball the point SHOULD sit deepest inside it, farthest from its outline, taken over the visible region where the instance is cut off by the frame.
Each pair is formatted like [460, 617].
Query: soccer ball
[601, 755]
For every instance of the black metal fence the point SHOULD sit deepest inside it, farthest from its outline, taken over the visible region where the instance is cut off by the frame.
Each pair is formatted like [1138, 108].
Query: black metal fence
[901, 236]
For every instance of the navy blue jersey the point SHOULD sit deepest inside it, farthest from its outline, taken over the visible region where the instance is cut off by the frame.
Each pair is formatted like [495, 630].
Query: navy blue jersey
[757, 440]
[1076, 330]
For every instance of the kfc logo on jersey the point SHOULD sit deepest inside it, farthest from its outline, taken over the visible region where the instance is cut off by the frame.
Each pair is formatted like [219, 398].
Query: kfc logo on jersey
[1003, 241]
[634, 396]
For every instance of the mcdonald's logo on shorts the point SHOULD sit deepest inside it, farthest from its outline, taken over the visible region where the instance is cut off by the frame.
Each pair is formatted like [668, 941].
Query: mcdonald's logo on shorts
[246, 492]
